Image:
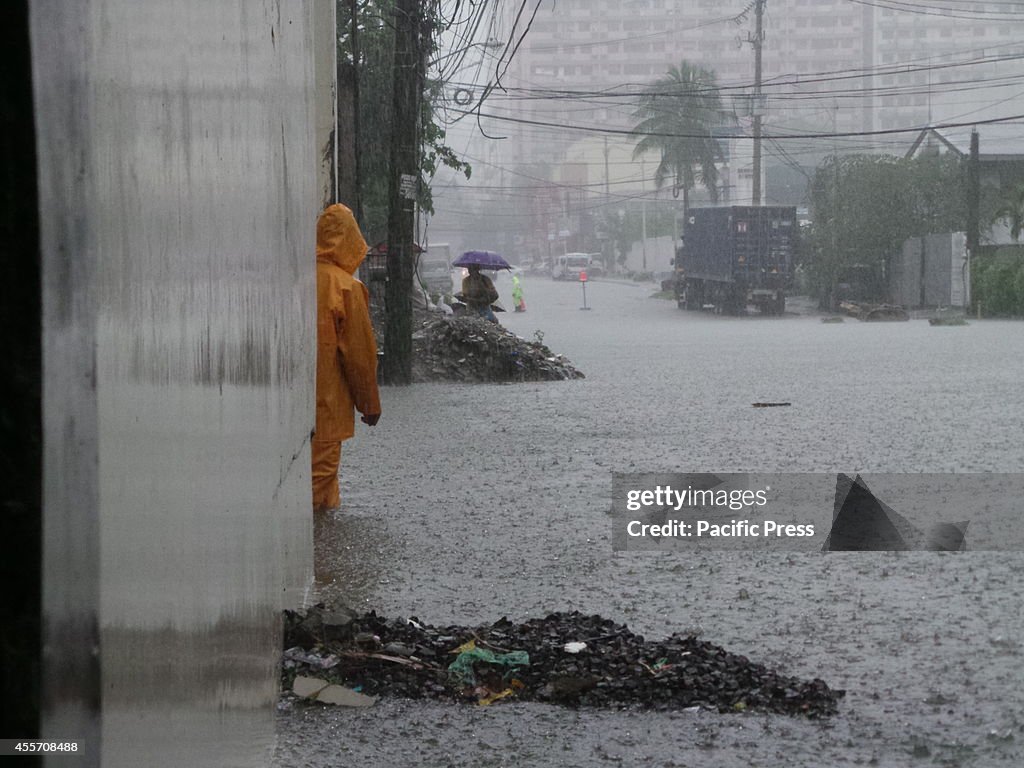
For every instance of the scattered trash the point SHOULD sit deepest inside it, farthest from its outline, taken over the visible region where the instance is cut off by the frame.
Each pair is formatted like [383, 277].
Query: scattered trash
[948, 321]
[769, 405]
[475, 663]
[831, 319]
[345, 697]
[310, 659]
[1003, 735]
[564, 658]
[330, 693]
[487, 700]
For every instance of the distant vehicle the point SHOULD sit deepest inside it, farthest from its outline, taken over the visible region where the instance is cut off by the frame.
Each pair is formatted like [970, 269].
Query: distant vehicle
[435, 269]
[569, 266]
[735, 256]
[596, 268]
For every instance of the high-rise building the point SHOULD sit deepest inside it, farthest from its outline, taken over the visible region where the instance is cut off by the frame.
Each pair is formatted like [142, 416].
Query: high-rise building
[829, 66]
[834, 71]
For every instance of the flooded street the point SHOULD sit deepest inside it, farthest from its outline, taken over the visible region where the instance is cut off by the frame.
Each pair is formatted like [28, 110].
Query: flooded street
[470, 502]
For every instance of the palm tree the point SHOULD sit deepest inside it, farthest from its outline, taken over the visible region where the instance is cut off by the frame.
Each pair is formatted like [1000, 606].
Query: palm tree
[1011, 208]
[676, 116]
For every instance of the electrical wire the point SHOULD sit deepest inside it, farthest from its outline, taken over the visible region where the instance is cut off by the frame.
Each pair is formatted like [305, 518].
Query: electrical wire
[922, 10]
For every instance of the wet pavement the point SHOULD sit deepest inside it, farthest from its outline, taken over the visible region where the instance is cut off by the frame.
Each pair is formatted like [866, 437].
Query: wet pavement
[471, 502]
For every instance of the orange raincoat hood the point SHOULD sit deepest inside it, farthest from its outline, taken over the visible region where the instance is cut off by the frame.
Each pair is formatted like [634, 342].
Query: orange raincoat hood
[338, 239]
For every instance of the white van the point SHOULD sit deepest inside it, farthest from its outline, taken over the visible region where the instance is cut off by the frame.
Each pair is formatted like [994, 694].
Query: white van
[569, 266]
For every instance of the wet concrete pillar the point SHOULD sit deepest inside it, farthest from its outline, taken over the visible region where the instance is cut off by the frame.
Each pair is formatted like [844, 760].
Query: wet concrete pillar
[179, 183]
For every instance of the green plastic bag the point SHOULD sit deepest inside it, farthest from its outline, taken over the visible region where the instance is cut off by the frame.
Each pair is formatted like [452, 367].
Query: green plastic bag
[462, 668]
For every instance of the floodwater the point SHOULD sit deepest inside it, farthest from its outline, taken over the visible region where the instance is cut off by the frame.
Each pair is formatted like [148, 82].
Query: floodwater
[470, 502]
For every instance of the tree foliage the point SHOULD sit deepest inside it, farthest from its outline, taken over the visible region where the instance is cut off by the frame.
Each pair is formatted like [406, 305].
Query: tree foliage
[375, 45]
[624, 228]
[676, 118]
[1011, 208]
[865, 206]
[997, 282]
[435, 153]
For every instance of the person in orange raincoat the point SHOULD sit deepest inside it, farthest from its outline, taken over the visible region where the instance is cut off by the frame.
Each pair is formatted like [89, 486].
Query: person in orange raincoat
[346, 351]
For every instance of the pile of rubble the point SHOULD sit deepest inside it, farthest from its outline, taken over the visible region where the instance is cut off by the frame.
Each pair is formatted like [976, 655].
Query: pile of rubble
[564, 658]
[471, 349]
[874, 312]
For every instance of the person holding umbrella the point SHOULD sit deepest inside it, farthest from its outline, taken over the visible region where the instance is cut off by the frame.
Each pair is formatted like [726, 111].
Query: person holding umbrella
[478, 292]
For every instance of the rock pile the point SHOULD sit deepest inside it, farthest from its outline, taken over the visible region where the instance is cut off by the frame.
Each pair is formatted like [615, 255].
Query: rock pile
[564, 658]
[472, 349]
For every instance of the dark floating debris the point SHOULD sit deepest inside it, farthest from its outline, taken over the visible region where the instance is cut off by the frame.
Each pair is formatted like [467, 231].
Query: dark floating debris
[471, 349]
[564, 658]
[770, 405]
[875, 312]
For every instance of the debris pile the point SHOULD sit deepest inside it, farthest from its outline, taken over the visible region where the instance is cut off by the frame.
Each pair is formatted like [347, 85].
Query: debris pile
[874, 312]
[471, 349]
[564, 658]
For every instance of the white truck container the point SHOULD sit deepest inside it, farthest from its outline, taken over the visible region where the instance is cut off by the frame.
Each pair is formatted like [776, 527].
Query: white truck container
[435, 269]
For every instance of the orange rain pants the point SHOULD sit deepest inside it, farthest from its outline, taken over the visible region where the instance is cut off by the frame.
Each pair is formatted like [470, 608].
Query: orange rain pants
[326, 460]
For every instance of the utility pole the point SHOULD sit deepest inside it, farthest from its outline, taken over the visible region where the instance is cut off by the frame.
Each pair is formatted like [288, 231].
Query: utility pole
[348, 116]
[607, 188]
[643, 211]
[834, 258]
[403, 184]
[357, 208]
[757, 40]
[973, 208]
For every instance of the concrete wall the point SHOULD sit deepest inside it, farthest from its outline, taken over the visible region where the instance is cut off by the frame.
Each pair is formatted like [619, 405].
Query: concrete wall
[930, 272]
[179, 190]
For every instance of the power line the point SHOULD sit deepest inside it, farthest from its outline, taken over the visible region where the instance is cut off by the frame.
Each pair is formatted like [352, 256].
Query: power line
[778, 137]
[922, 10]
[886, 70]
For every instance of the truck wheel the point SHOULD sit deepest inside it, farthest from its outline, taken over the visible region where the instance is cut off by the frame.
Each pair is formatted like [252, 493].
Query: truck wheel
[694, 295]
[735, 301]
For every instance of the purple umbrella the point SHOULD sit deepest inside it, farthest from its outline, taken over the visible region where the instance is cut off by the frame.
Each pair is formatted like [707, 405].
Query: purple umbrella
[482, 259]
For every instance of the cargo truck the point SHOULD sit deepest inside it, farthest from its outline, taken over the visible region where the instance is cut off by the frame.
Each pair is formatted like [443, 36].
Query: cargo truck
[736, 256]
